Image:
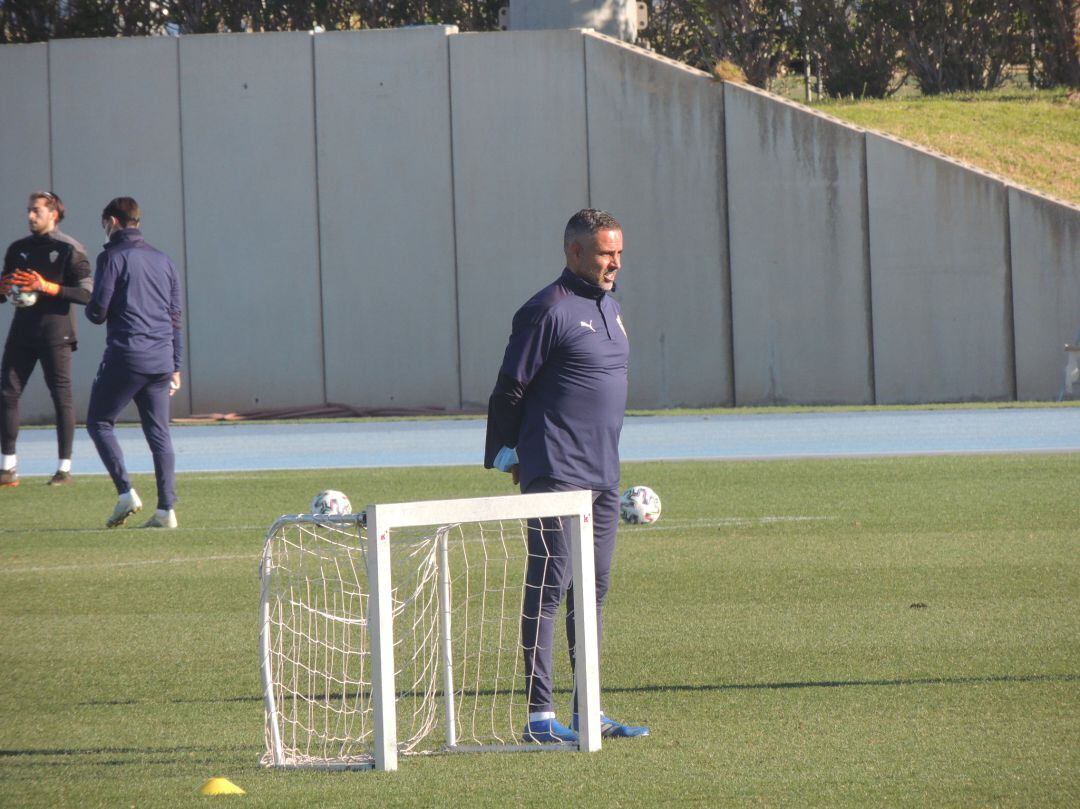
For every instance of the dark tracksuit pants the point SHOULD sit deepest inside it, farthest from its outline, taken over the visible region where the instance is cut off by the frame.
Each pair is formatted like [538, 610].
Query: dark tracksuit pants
[114, 387]
[15, 369]
[548, 577]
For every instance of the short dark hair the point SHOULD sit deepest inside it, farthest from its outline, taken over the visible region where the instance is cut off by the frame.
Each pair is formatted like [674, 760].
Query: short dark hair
[588, 221]
[52, 202]
[126, 211]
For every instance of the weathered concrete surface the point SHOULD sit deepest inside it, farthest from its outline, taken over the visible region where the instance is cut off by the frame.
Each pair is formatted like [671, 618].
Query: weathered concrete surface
[799, 268]
[656, 161]
[25, 166]
[1045, 244]
[520, 171]
[386, 217]
[616, 18]
[251, 212]
[942, 307]
[94, 163]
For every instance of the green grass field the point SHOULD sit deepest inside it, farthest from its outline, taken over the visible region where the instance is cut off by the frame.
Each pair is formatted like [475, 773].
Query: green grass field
[852, 633]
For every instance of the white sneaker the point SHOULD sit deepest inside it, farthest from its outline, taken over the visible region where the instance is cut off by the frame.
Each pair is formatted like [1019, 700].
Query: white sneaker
[126, 505]
[161, 519]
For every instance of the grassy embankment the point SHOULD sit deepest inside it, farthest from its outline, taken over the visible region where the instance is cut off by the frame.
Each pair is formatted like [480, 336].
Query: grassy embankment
[1030, 137]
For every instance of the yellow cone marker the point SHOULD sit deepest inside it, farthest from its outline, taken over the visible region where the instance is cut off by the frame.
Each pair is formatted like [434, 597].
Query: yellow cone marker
[221, 786]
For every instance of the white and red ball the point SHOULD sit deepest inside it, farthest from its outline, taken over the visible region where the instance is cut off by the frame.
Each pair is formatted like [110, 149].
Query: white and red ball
[330, 503]
[21, 299]
[639, 505]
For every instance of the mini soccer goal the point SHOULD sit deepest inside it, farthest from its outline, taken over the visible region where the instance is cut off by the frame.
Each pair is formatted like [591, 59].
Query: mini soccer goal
[398, 631]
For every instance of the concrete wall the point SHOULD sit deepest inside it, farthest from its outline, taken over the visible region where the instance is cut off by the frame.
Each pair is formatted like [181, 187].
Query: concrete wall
[25, 161]
[800, 269]
[357, 216]
[616, 18]
[251, 213]
[103, 150]
[520, 171]
[656, 159]
[25, 166]
[942, 296]
[388, 281]
[1045, 248]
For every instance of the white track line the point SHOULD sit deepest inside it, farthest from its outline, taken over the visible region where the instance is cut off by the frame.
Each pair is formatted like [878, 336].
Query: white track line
[728, 522]
[670, 525]
[252, 557]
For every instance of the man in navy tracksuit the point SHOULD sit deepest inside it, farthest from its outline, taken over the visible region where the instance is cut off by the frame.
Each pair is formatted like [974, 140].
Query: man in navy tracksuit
[54, 266]
[554, 421]
[137, 294]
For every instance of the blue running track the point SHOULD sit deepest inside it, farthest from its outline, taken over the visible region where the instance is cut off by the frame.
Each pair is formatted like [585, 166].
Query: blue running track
[255, 446]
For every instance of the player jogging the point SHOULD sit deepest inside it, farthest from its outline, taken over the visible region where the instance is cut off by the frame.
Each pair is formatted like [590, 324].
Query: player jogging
[554, 421]
[137, 296]
[55, 266]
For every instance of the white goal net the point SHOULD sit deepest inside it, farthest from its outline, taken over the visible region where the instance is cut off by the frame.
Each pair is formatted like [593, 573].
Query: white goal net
[398, 631]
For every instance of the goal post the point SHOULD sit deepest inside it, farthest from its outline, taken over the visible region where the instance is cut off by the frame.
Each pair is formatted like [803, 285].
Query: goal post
[381, 629]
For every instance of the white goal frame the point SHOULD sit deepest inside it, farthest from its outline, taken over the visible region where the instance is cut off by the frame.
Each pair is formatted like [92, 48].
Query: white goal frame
[381, 520]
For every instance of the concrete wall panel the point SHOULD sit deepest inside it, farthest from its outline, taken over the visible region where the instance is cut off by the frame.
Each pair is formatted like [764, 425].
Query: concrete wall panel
[942, 311]
[617, 18]
[799, 275]
[386, 217]
[250, 204]
[656, 155]
[104, 149]
[25, 166]
[520, 171]
[1045, 245]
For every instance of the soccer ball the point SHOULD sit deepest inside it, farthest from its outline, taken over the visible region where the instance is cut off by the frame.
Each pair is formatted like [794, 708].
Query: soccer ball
[20, 299]
[330, 503]
[639, 504]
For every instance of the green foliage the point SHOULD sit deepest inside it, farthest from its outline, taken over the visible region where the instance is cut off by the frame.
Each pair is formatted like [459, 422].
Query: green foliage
[960, 45]
[1053, 57]
[767, 628]
[854, 45]
[35, 21]
[755, 35]
[862, 48]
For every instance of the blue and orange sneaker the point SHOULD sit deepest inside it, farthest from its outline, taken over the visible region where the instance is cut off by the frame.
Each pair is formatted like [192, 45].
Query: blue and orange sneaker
[549, 731]
[611, 729]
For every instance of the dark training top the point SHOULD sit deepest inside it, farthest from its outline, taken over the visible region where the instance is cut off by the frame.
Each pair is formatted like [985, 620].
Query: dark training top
[136, 289]
[561, 392]
[58, 258]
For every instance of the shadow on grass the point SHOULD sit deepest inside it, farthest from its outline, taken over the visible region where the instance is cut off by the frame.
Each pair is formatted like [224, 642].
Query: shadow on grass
[1003, 678]
[119, 756]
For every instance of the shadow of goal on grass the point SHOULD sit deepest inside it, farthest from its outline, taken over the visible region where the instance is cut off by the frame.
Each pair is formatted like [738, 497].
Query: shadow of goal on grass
[655, 688]
[900, 681]
[38, 757]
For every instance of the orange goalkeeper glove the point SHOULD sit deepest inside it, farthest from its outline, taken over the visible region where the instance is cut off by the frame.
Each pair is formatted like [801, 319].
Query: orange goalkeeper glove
[31, 281]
